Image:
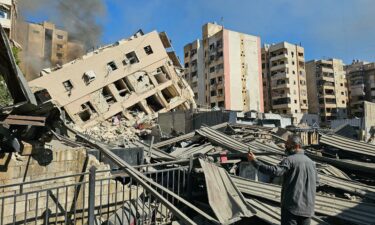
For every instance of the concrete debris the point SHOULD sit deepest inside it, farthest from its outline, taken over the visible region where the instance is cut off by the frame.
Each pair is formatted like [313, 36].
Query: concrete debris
[117, 131]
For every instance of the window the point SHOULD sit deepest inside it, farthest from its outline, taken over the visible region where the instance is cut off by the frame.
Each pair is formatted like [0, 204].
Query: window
[112, 66]
[4, 14]
[59, 46]
[36, 31]
[213, 81]
[68, 85]
[59, 55]
[343, 102]
[296, 111]
[219, 67]
[263, 65]
[295, 101]
[186, 54]
[341, 84]
[59, 36]
[186, 65]
[131, 58]
[148, 50]
[193, 74]
[212, 69]
[213, 93]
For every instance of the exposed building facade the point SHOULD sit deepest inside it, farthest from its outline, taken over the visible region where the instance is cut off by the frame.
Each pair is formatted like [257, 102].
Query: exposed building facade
[44, 46]
[284, 78]
[224, 69]
[132, 75]
[327, 89]
[8, 15]
[361, 82]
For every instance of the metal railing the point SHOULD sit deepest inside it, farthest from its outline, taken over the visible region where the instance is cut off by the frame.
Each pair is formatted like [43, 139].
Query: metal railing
[94, 197]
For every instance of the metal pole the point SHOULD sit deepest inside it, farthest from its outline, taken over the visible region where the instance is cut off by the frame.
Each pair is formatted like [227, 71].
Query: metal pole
[91, 213]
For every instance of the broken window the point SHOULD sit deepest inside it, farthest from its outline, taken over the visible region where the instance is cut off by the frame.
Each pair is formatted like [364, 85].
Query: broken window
[193, 74]
[220, 92]
[111, 66]
[89, 77]
[59, 55]
[169, 93]
[59, 36]
[212, 69]
[59, 46]
[121, 87]
[221, 104]
[68, 85]
[135, 108]
[186, 54]
[213, 81]
[42, 96]
[161, 76]
[131, 58]
[186, 65]
[87, 111]
[107, 94]
[148, 50]
[154, 104]
[213, 93]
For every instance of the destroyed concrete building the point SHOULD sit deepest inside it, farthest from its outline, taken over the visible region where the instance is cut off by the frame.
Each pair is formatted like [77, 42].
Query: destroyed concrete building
[138, 74]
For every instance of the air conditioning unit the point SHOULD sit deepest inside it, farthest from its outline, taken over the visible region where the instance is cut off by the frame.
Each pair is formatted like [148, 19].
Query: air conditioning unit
[89, 76]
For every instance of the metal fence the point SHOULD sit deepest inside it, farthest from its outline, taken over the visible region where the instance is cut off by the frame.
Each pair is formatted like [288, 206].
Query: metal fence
[94, 197]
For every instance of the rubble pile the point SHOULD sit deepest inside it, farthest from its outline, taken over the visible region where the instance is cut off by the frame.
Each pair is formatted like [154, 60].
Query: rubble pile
[118, 130]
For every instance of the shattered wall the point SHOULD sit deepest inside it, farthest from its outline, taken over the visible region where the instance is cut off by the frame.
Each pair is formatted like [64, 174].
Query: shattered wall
[133, 75]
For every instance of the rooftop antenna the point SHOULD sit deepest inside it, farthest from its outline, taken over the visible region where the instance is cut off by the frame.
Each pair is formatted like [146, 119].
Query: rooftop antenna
[222, 22]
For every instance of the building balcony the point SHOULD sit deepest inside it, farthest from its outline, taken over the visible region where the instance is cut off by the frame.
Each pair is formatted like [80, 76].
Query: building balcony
[280, 86]
[327, 70]
[277, 96]
[278, 67]
[327, 78]
[279, 76]
[282, 56]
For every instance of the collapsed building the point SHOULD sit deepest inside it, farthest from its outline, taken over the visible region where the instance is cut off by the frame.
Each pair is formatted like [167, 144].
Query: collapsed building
[137, 74]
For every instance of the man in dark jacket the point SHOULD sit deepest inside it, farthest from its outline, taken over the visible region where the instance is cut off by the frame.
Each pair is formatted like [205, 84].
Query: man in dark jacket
[299, 182]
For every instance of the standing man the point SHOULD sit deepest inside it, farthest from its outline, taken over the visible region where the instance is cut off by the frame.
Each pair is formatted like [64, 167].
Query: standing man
[299, 182]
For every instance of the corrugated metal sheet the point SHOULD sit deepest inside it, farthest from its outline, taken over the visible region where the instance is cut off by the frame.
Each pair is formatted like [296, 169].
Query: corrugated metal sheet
[355, 212]
[349, 145]
[225, 199]
[272, 214]
[183, 153]
[355, 122]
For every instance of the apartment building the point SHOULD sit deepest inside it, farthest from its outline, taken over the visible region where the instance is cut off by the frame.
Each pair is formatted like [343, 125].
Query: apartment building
[361, 82]
[327, 89]
[224, 69]
[8, 15]
[284, 78]
[130, 76]
[44, 46]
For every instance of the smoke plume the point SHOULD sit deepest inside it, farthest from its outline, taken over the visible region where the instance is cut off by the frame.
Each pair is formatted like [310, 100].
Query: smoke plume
[79, 17]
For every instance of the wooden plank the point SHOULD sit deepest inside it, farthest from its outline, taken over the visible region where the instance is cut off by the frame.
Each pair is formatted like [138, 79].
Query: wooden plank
[23, 122]
[33, 118]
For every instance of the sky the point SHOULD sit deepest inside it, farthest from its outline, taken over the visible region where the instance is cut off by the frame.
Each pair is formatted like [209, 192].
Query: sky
[342, 29]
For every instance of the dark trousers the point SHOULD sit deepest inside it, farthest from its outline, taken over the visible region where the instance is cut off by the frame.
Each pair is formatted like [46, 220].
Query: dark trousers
[288, 218]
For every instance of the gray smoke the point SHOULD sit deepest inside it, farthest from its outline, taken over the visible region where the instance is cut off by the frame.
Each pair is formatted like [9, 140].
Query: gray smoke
[79, 17]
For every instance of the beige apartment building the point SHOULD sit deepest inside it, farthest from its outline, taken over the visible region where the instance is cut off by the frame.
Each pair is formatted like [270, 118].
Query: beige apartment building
[224, 69]
[284, 79]
[327, 89]
[44, 46]
[8, 15]
[361, 83]
[128, 77]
